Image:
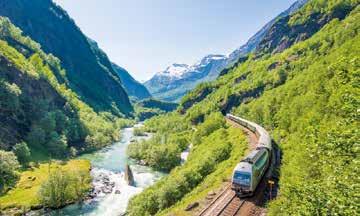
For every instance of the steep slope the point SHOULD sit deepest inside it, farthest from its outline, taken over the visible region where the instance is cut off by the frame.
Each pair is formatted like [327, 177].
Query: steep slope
[291, 29]
[38, 109]
[307, 96]
[254, 41]
[132, 86]
[89, 74]
[172, 88]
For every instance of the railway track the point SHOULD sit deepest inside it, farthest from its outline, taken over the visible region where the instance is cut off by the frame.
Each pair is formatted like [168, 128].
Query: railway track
[225, 204]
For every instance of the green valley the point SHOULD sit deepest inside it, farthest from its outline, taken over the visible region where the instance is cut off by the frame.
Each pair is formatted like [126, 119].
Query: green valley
[307, 96]
[272, 128]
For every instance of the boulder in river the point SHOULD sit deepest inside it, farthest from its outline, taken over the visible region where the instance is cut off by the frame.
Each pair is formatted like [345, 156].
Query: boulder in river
[129, 178]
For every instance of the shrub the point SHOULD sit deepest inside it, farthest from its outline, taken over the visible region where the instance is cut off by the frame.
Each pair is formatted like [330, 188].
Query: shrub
[8, 170]
[22, 153]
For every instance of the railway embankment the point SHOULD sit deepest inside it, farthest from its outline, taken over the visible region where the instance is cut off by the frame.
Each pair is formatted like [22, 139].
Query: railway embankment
[226, 202]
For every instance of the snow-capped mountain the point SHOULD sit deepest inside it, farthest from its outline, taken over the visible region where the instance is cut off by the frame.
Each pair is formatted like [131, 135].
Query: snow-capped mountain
[174, 82]
[174, 70]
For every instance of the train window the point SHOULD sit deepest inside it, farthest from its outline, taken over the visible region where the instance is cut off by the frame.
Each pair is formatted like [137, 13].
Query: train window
[242, 178]
[262, 160]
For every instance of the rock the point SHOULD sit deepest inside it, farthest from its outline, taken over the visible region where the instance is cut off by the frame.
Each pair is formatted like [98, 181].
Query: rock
[273, 66]
[129, 178]
[117, 192]
[106, 189]
[191, 206]
[142, 163]
[211, 193]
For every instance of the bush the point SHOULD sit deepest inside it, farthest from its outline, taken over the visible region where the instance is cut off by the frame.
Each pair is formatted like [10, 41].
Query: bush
[63, 187]
[22, 153]
[8, 170]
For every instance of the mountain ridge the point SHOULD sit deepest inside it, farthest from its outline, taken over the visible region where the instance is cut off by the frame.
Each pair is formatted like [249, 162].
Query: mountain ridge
[172, 89]
[48, 24]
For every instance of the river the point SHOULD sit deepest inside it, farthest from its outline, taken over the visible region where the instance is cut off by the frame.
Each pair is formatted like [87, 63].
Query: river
[109, 163]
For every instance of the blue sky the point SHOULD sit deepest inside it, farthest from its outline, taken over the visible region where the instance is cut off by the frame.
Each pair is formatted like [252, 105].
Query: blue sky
[145, 36]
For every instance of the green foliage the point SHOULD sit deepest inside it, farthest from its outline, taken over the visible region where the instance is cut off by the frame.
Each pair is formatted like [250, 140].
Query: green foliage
[36, 99]
[173, 134]
[139, 132]
[88, 70]
[163, 150]
[308, 99]
[215, 180]
[321, 6]
[62, 187]
[151, 107]
[8, 170]
[211, 124]
[310, 102]
[162, 105]
[202, 161]
[24, 195]
[9, 97]
[22, 152]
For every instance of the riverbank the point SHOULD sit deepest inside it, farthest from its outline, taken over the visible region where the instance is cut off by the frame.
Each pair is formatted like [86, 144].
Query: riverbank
[111, 192]
[24, 196]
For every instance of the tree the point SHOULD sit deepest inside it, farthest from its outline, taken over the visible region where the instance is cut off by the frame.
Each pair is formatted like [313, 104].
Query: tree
[36, 137]
[48, 122]
[8, 170]
[72, 152]
[22, 153]
[57, 144]
[9, 96]
[55, 191]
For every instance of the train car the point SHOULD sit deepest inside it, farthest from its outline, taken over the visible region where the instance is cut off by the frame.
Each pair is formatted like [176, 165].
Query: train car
[249, 172]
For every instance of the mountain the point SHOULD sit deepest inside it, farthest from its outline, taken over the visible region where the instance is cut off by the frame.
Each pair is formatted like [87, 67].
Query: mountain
[134, 88]
[254, 41]
[171, 86]
[38, 107]
[174, 82]
[89, 71]
[303, 90]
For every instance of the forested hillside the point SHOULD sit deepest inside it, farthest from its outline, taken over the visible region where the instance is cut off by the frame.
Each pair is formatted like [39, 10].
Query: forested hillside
[134, 89]
[306, 93]
[89, 71]
[38, 108]
[150, 107]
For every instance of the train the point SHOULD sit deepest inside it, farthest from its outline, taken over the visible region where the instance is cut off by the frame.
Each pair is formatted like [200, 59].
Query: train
[249, 172]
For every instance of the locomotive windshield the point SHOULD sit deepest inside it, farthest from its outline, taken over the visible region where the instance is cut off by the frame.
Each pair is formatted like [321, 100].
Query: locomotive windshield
[242, 178]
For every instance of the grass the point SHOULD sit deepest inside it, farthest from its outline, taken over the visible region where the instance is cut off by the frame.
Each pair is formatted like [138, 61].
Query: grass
[215, 180]
[24, 195]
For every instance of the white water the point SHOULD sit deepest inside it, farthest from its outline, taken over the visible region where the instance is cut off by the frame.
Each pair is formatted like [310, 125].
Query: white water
[110, 163]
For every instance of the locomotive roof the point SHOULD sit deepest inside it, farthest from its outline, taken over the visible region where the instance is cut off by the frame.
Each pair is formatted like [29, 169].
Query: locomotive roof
[254, 156]
[243, 167]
